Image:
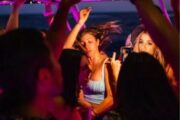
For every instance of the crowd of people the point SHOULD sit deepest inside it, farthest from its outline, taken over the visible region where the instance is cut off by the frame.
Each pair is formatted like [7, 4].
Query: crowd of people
[60, 75]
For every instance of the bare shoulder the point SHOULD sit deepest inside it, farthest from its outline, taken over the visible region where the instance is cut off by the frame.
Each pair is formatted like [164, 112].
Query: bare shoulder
[103, 56]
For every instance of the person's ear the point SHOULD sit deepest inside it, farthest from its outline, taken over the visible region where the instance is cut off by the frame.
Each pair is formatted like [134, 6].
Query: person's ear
[44, 81]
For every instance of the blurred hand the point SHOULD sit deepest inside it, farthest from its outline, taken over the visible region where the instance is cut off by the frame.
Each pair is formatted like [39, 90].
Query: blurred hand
[84, 14]
[18, 3]
[115, 66]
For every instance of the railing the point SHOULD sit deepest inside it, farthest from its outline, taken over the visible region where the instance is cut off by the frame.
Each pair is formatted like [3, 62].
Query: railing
[10, 2]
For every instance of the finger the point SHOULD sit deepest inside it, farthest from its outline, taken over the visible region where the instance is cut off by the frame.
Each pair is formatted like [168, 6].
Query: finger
[88, 10]
[113, 56]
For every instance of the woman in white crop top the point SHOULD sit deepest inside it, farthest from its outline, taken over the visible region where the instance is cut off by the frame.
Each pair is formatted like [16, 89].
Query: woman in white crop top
[95, 93]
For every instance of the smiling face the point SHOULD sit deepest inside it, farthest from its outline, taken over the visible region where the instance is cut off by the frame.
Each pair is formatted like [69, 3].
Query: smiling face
[146, 44]
[90, 43]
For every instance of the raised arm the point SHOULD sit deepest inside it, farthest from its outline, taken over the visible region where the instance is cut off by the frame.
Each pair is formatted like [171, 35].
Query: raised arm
[13, 21]
[84, 14]
[163, 33]
[48, 13]
[57, 33]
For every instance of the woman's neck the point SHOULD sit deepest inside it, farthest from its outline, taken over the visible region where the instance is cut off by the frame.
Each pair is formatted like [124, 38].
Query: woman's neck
[95, 57]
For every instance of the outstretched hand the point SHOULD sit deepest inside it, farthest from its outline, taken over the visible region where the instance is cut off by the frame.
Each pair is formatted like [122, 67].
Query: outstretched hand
[18, 3]
[84, 14]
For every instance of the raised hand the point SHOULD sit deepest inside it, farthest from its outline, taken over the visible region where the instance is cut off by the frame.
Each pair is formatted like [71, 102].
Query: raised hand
[13, 21]
[115, 66]
[84, 14]
[18, 4]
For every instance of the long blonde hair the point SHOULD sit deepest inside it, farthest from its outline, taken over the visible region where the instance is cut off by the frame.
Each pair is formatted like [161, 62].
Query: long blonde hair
[157, 54]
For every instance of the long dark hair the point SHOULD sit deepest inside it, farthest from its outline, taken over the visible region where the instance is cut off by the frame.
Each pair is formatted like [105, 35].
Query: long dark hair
[103, 32]
[70, 63]
[22, 52]
[143, 90]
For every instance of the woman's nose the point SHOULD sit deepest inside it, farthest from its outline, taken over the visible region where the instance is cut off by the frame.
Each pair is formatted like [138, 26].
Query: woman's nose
[86, 46]
[144, 47]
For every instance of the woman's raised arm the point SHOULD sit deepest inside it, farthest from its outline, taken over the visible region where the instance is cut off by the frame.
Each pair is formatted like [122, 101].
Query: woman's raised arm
[84, 14]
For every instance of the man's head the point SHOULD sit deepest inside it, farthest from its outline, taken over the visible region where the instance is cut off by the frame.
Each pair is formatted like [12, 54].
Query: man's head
[27, 69]
[143, 84]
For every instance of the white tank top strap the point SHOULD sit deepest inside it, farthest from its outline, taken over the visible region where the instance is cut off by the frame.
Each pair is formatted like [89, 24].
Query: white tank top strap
[103, 67]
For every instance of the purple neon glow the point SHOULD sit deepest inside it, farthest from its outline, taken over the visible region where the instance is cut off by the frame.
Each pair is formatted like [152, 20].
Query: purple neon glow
[10, 2]
[164, 10]
[6, 2]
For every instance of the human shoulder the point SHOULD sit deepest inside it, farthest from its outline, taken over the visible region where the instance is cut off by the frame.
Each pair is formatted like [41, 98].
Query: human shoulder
[104, 57]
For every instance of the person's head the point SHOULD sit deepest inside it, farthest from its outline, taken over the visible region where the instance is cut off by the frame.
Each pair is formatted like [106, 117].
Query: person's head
[140, 28]
[70, 63]
[143, 90]
[28, 70]
[136, 31]
[144, 43]
[94, 38]
[89, 38]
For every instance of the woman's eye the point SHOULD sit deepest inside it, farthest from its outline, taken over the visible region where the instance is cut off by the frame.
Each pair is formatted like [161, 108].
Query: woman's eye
[140, 42]
[149, 43]
[89, 41]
